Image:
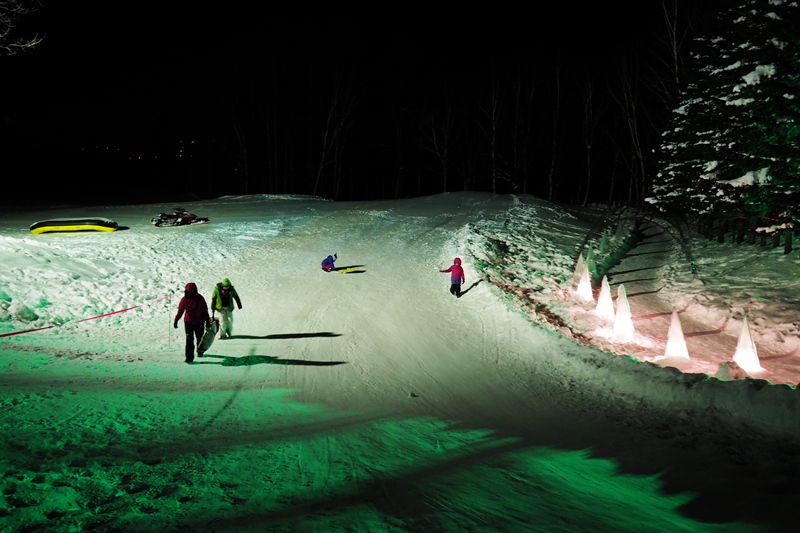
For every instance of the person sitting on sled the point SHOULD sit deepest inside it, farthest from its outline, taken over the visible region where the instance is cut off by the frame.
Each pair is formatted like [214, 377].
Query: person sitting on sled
[222, 299]
[327, 263]
[456, 277]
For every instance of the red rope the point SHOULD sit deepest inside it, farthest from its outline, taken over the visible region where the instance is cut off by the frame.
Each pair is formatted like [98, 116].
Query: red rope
[82, 319]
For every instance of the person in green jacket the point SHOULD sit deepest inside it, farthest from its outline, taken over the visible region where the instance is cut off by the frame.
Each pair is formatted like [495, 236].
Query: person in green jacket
[222, 302]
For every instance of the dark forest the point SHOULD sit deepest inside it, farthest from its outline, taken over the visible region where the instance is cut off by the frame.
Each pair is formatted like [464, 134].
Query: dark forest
[142, 104]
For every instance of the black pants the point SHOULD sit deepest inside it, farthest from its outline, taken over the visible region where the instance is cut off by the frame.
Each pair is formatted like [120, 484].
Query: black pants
[193, 331]
[455, 288]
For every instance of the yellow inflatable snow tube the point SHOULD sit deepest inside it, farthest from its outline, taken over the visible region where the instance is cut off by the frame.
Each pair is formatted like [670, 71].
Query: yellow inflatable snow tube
[73, 224]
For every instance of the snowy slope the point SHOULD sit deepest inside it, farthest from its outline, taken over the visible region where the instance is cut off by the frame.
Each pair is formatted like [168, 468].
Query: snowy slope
[376, 401]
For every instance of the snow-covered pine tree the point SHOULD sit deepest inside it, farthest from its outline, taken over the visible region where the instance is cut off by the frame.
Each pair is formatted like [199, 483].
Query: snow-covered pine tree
[691, 158]
[765, 155]
[732, 149]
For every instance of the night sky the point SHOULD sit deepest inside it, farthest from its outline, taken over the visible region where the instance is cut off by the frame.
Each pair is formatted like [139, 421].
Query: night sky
[120, 97]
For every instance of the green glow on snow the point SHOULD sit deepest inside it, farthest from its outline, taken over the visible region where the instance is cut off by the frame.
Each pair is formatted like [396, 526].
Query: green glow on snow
[134, 455]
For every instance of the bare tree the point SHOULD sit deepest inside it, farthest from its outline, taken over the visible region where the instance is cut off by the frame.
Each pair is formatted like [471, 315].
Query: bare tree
[438, 131]
[277, 141]
[524, 89]
[627, 99]
[11, 11]
[232, 142]
[587, 90]
[398, 114]
[338, 159]
[665, 67]
[551, 176]
[675, 33]
[493, 112]
[613, 177]
[469, 161]
[233, 149]
[343, 102]
[243, 163]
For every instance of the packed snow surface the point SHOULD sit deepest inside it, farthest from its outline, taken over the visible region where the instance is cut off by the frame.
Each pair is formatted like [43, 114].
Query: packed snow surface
[375, 400]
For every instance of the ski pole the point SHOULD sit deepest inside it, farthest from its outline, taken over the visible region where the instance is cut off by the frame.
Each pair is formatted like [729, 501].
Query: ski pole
[169, 328]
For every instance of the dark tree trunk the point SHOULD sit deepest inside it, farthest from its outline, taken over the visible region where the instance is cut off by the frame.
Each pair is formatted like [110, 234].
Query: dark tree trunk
[751, 238]
[740, 231]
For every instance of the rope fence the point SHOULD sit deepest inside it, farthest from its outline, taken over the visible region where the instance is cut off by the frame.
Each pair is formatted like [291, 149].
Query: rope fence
[13, 333]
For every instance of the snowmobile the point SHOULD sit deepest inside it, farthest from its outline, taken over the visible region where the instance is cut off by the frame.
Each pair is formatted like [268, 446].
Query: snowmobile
[180, 217]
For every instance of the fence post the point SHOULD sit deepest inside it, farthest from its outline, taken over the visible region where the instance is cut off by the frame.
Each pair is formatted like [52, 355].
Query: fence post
[787, 247]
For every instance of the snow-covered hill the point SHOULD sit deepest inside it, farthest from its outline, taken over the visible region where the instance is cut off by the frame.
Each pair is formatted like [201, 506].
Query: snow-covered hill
[376, 401]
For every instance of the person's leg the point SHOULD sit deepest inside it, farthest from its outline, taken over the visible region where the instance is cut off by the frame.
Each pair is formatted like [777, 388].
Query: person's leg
[223, 321]
[226, 324]
[189, 330]
[453, 287]
[458, 290]
[199, 329]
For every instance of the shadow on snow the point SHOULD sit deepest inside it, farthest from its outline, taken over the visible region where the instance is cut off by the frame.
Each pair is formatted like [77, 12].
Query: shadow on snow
[250, 360]
[288, 335]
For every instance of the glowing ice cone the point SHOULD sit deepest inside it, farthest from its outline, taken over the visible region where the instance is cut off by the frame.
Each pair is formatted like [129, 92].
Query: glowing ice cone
[605, 304]
[584, 290]
[604, 245]
[623, 324]
[746, 356]
[676, 344]
[576, 276]
[590, 262]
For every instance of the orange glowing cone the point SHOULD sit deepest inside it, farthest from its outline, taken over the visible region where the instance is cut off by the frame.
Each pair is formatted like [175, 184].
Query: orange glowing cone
[605, 304]
[746, 355]
[584, 291]
[676, 344]
[623, 323]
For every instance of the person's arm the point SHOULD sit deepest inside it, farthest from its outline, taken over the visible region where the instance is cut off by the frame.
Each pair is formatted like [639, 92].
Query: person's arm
[205, 311]
[179, 315]
[214, 296]
[236, 297]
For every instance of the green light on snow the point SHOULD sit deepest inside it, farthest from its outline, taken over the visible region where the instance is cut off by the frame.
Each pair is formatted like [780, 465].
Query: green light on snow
[237, 455]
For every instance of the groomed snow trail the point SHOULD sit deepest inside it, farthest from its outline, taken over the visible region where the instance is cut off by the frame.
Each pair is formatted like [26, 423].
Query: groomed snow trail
[373, 401]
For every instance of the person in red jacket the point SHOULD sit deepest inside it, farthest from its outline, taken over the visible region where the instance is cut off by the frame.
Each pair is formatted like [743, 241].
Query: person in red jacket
[194, 310]
[456, 277]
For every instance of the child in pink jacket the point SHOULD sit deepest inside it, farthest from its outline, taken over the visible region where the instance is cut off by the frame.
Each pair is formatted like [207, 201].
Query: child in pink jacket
[456, 277]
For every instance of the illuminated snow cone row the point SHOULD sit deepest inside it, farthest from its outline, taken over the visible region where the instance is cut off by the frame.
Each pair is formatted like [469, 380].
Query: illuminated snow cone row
[746, 356]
